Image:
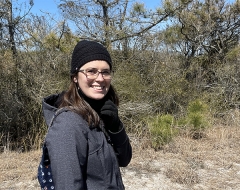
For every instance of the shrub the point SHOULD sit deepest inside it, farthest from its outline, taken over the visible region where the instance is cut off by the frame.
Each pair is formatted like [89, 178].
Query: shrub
[196, 119]
[161, 130]
[197, 113]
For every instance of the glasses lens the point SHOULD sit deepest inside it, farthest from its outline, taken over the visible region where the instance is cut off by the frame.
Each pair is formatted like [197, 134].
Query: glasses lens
[107, 74]
[92, 73]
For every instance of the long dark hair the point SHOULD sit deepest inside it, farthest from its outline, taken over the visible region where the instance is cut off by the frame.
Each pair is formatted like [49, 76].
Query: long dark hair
[76, 103]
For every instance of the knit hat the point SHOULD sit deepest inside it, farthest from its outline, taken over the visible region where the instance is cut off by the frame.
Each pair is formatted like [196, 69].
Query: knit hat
[86, 51]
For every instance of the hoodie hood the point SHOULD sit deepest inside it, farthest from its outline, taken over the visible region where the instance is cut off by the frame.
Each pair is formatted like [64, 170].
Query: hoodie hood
[50, 105]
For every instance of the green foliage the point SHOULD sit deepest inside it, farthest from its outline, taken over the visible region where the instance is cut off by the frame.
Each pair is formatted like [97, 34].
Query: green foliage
[168, 6]
[167, 88]
[64, 43]
[139, 8]
[24, 82]
[128, 82]
[198, 21]
[197, 106]
[197, 116]
[197, 120]
[161, 130]
[233, 53]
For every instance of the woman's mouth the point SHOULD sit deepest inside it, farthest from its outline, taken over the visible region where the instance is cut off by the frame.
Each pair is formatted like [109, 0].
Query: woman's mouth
[97, 87]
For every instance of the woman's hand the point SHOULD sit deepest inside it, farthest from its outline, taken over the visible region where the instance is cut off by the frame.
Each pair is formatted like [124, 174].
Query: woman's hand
[109, 115]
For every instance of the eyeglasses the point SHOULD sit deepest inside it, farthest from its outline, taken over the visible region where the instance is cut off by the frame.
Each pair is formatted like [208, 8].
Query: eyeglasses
[92, 73]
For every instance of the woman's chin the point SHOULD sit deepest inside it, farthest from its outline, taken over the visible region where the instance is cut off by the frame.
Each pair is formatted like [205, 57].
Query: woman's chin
[98, 96]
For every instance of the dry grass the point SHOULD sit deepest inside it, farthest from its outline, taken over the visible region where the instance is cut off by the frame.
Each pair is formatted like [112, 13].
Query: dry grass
[212, 163]
[18, 170]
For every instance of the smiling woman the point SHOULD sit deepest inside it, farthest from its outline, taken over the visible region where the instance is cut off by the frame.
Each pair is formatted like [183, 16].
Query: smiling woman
[86, 140]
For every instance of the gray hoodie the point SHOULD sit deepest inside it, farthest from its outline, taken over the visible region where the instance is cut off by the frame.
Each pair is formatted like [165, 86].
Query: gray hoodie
[81, 157]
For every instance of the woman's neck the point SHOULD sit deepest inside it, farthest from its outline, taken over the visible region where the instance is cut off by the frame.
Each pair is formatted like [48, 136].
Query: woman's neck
[95, 104]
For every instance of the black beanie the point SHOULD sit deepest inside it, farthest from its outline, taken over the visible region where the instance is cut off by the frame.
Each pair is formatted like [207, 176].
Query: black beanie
[86, 51]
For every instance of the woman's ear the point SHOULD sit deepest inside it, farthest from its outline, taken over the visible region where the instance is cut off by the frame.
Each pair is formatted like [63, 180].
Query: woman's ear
[75, 79]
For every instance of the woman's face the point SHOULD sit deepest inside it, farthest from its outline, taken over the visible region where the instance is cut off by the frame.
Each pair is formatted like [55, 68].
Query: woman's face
[94, 88]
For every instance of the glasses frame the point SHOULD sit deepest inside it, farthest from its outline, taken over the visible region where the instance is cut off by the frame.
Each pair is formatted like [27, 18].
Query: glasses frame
[96, 75]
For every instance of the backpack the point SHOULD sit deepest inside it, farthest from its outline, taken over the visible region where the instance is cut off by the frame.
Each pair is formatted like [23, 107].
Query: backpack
[44, 171]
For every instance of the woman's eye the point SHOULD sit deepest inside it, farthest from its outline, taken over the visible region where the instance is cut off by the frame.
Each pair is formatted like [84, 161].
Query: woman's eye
[106, 72]
[91, 71]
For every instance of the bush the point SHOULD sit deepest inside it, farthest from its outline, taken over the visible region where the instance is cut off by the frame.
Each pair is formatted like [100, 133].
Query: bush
[161, 130]
[196, 119]
[197, 113]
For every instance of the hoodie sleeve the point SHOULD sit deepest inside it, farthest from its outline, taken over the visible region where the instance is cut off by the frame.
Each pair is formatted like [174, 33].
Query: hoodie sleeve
[122, 147]
[67, 145]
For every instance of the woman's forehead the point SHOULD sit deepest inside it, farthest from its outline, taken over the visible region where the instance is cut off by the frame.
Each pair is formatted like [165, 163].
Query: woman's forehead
[96, 64]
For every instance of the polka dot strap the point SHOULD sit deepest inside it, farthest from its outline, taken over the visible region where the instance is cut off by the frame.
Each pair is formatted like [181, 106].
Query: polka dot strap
[44, 171]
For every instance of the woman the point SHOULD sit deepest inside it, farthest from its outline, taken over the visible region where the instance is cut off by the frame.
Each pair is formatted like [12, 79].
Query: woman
[86, 141]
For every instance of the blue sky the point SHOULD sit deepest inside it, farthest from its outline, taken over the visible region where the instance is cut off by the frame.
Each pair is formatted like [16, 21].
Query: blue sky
[51, 5]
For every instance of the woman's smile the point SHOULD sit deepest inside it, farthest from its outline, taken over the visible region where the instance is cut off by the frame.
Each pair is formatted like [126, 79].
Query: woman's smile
[98, 87]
